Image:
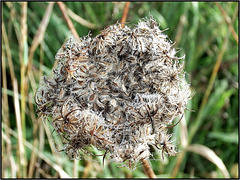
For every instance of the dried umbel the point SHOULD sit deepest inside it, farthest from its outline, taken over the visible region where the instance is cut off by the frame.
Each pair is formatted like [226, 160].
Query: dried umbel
[119, 91]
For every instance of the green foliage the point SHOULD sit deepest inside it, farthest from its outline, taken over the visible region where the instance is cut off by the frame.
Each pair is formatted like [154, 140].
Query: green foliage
[200, 29]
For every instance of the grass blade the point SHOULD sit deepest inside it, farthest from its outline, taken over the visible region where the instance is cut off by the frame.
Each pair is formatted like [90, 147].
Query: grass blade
[61, 172]
[211, 156]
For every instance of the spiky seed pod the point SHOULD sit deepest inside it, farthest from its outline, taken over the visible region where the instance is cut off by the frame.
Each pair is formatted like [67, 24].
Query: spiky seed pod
[118, 91]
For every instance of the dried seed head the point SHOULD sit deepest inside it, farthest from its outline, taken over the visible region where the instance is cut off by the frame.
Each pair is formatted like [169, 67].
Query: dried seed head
[118, 91]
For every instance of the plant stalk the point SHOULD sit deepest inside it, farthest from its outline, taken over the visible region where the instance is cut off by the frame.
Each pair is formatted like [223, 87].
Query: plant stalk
[148, 169]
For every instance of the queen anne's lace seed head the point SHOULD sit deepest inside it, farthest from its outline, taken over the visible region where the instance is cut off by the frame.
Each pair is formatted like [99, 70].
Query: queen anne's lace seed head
[118, 91]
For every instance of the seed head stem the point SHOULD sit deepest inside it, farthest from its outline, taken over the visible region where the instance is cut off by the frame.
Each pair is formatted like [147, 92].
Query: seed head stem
[147, 169]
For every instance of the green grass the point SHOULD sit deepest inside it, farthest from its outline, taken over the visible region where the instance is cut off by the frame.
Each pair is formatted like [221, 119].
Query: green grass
[200, 31]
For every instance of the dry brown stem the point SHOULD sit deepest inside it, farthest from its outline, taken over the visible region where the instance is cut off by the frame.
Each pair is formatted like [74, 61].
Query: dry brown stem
[67, 19]
[147, 169]
[125, 13]
[87, 168]
[228, 21]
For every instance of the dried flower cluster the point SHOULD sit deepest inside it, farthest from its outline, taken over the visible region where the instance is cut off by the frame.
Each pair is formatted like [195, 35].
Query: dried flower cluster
[118, 91]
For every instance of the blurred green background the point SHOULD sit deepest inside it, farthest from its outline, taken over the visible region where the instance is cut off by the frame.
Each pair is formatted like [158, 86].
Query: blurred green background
[206, 32]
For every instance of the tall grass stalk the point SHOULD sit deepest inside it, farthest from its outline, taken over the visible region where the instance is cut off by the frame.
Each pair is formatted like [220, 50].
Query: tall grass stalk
[23, 51]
